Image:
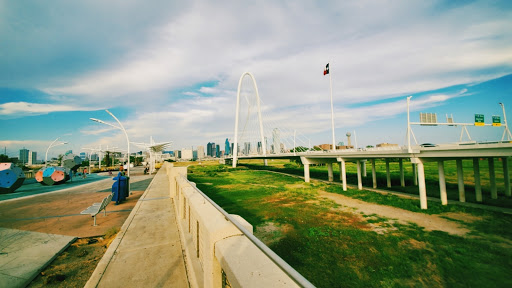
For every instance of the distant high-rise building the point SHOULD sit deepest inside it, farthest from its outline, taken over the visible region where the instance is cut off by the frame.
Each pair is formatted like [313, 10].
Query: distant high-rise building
[210, 149]
[226, 149]
[259, 148]
[247, 148]
[186, 154]
[217, 151]
[200, 152]
[94, 157]
[233, 148]
[32, 158]
[83, 156]
[24, 156]
[277, 141]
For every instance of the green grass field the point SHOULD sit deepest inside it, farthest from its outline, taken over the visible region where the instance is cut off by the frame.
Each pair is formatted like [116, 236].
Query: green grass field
[431, 176]
[340, 248]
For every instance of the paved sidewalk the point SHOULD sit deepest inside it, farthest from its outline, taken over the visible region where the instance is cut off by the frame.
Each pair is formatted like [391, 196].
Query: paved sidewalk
[23, 254]
[147, 251]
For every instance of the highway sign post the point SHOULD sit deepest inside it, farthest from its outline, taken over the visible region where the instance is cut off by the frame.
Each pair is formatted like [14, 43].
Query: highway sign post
[479, 120]
[496, 121]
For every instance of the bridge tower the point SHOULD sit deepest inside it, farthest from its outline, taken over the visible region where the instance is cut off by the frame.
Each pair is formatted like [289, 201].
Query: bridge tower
[235, 146]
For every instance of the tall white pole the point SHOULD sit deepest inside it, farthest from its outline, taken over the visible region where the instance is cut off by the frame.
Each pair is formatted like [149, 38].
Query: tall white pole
[507, 131]
[332, 115]
[408, 126]
[99, 162]
[51, 145]
[294, 146]
[46, 156]
[127, 140]
[235, 144]
[259, 114]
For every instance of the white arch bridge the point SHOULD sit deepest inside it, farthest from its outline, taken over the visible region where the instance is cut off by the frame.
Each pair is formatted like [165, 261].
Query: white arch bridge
[417, 155]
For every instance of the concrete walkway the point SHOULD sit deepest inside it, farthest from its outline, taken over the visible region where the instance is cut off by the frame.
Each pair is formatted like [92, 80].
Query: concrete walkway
[147, 251]
[23, 254]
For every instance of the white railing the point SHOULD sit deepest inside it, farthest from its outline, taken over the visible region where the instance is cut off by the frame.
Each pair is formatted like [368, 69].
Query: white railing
[219, 247]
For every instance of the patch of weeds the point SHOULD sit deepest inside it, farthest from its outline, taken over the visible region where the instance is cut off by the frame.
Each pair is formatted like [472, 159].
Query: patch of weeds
[111, 232]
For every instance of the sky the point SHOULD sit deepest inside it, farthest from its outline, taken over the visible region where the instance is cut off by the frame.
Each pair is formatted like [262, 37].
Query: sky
[170, 69]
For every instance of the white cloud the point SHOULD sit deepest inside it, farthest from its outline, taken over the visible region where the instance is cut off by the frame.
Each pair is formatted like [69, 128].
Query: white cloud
[377, 51]
[404, 48]
[18, 109]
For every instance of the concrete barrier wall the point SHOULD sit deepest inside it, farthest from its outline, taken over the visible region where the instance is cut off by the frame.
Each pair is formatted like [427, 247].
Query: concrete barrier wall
[216, 251]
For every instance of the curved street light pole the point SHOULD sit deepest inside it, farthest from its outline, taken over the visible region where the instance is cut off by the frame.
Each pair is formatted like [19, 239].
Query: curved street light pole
[127, 140]
[51, 145]
[120, 127]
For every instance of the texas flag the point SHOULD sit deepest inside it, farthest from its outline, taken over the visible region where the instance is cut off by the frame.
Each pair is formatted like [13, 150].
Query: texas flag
[326, 70]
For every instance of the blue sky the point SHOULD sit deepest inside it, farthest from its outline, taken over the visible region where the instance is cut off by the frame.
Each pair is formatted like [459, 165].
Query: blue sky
[170, 69]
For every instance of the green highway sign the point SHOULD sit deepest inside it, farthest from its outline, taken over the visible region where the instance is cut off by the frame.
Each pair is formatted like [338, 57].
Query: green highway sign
[496, 121]
[479, 120]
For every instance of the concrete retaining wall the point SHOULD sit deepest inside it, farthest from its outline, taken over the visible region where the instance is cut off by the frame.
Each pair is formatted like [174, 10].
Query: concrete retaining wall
[216, 251]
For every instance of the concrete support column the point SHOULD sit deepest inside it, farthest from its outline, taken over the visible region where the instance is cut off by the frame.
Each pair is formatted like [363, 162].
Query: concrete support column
[442, 183]
[388, 174]
[343, 175]
[329, 172]
[478, 187]
[422, 186]
[506, 176]
[460, 181]
[364, 168]
[359, 179]
[265, 163]
[306, 173]
[374, 174]
[415, 174]
[492, 179]
[402, 174]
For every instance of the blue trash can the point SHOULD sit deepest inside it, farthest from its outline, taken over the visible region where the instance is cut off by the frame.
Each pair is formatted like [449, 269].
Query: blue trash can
[119, 188]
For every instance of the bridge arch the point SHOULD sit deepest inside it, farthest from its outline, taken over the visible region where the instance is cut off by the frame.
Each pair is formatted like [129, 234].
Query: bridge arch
[235, 144]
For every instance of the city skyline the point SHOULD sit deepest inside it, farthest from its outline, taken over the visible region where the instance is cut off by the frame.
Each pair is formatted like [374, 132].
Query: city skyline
[170, 69]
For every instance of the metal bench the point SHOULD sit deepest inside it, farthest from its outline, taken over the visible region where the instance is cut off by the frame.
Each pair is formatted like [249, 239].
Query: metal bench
[96, 208]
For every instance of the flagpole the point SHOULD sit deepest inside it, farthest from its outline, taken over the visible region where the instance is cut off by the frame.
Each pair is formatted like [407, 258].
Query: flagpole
[332, 115]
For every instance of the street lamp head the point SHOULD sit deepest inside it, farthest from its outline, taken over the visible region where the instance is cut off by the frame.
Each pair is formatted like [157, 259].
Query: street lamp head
[98, 120]
[103, 122]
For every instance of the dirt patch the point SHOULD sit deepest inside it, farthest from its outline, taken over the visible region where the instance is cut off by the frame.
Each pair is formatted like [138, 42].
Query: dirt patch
[413, 243]
[296, 186]
[464, 217]
[429, 222]
[272, 232]
[74, 267]
[337, 217]
[239, 186]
